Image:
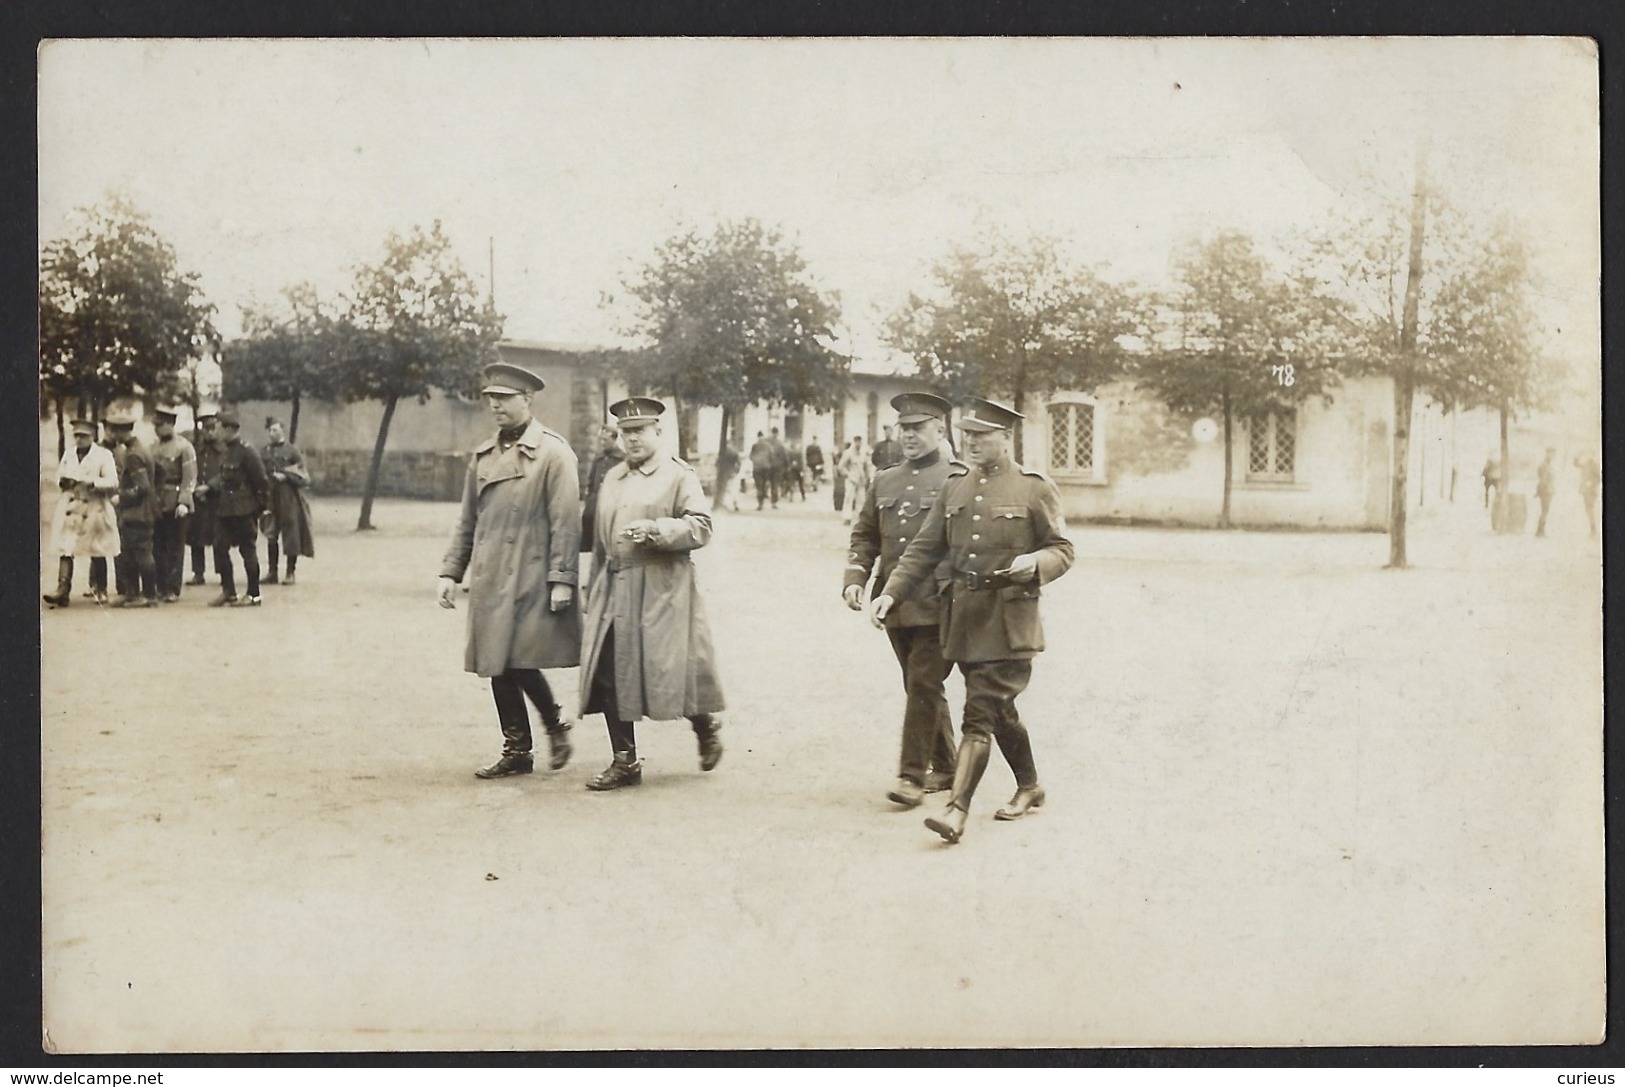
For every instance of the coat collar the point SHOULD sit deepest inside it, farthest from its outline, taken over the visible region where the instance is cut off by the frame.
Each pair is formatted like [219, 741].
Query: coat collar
[529, 440]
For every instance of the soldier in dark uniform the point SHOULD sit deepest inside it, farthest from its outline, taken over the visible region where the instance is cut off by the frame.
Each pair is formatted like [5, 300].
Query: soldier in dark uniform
[200, 525]
[243, 493]
[998, 526]
[892, 513]
[137, 510]
[174, 465]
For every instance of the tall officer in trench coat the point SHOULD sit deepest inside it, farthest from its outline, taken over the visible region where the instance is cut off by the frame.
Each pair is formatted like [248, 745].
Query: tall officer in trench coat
[518, 539]
[893, 511]
[648, 651]
[86, 523]
[999, 527]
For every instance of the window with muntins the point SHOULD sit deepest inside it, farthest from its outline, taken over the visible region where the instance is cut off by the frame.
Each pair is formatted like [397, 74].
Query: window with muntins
[1271, 446]
[1072, 437]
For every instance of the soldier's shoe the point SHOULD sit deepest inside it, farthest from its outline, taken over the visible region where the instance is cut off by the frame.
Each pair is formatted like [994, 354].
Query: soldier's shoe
[937, 781]
[950, 824]
[128, 602]
[558, 745]
[99, 596]
[708, 736]
[269, 579]
[223, 600]
[509, 764]
[170, 598]
[618, 775]
[289, 579]
[907, 793]
[1026, 799]
[246, 602]
[195, 579]
[59, 600]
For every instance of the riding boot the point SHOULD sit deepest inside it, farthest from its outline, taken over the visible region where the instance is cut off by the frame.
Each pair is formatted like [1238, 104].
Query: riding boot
[64, 583]
[968, 768]
[273, 554]
[706, 730]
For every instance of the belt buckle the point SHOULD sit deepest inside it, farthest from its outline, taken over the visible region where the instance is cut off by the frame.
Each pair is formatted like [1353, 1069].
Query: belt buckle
[973, 581]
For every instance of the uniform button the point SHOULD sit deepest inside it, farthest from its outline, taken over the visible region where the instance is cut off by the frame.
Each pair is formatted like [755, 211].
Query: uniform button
[975, 536]
[978, 498]
[910, 487]
[975, 517]
[984, 479]
[902, 539]
[973, 554]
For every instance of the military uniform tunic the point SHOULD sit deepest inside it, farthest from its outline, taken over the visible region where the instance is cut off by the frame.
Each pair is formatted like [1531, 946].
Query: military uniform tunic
[982, 520]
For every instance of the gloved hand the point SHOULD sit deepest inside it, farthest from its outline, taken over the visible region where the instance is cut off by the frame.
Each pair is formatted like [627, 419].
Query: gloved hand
[447, 593]
[559, 597]
[182, 509]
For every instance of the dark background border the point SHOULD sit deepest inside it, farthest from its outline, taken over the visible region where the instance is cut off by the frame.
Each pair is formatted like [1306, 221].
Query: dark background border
[23, 23]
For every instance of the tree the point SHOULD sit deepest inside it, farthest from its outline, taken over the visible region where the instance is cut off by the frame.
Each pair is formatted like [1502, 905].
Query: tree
[1010, 321]
[415, 323]
[117, 315]
[730, 319]
[1485, 331]
[286, 355]
[1236, 338]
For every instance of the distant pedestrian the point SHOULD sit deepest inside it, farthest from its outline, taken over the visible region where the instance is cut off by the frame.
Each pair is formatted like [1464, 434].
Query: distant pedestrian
[815, 463]
[887, 451]
[243, 493]
[174, 467]
[516, 540]
[1545, 487]
[722, 496]
[781, 465]
[858, 470]
[607, 456]
[796, 473]
[206, 444]
[1590, 484]
[998, 527]
[761, 470]
[287, 525]
[1492, 478]
[86, 523]
[647, 650]
[137, 512]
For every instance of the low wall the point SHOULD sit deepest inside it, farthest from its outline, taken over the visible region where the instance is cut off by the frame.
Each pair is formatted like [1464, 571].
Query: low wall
[404, 474]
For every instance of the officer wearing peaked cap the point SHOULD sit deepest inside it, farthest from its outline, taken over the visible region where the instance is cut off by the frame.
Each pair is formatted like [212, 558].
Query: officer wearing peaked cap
[893, 512]
[174, 467]
[995, 534]
[518, 541]
[200, 526]
[242, 492]
[647, 645]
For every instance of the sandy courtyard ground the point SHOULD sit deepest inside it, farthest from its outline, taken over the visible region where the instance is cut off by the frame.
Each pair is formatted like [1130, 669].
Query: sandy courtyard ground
[1293, 799]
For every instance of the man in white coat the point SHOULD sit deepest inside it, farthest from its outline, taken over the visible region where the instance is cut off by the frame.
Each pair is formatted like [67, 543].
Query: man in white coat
[648, 646]
[86, 523]
[518, 539]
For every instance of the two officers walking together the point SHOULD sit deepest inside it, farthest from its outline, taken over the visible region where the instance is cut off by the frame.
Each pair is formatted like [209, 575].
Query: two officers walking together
[645, 647]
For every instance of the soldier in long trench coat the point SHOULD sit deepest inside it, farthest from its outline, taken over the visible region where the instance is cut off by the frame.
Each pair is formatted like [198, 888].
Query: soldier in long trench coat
[648, 650]
[86, 523]
[518, 540]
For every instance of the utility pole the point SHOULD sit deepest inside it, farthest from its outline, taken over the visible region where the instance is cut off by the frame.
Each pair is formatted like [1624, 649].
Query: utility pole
[1405, 372]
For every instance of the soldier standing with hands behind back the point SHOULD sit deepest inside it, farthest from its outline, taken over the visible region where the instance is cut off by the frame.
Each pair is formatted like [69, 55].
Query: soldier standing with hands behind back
[998, 527]
[893, 512]
[518, 540]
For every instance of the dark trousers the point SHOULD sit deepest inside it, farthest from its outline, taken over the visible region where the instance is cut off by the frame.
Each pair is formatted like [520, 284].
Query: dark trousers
[767, 487]
[991, 688]
[601, 698]
[98, 575]
[200, 529]
[928, 730]
[169, 552]
[238, 532]
[272, 552]
[134, 569]
[509, 691]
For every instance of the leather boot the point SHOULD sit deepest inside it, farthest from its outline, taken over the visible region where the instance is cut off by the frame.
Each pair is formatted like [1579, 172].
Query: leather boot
[1026, 799]
[558, 742]
[64, 584]
[706, 729]
[625, 770]
[509, 764]
[972, 761]
[270, 576]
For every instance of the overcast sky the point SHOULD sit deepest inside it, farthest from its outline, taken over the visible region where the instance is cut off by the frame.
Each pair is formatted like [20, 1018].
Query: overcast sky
[267, 163]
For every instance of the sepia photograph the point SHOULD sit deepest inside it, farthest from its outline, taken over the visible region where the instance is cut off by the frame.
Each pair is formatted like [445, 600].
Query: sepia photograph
[647, 544]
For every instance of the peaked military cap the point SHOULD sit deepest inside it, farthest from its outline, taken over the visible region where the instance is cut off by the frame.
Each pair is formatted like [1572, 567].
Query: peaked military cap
[918, 407]
[229, 418]
[207, 411]
[507, 379]
[119, 417]
[980, 415]
[636, 411]
[169, 410]
[85, 426]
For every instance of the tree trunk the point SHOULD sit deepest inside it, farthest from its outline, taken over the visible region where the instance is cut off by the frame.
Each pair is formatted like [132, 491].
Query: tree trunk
[1020, 401]
[293, 418]
[1499, 513]
[1405, 377]
[61, 432]
[377, 463]
[677, 423]
[1224, 407]
[1422, 464]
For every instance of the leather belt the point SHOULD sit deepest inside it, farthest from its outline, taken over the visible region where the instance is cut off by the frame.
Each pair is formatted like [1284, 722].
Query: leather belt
[978, 582]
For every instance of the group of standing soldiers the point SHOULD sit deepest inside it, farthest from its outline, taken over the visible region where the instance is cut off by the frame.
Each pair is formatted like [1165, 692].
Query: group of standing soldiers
[145, 506]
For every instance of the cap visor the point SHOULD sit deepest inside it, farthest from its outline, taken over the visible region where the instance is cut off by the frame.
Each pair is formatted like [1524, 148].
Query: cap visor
[501, 390]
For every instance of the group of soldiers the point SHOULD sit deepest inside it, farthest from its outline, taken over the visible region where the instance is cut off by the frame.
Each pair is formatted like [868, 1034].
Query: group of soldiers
[145, 507]
[956, 553]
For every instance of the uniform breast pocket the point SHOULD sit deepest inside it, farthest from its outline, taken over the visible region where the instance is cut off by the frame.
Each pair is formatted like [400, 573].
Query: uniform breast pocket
[1012, 527]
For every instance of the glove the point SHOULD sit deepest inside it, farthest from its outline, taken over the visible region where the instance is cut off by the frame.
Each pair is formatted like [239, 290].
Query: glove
[447, 593]
[182, 509]
[67, 484]
[559, 598]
